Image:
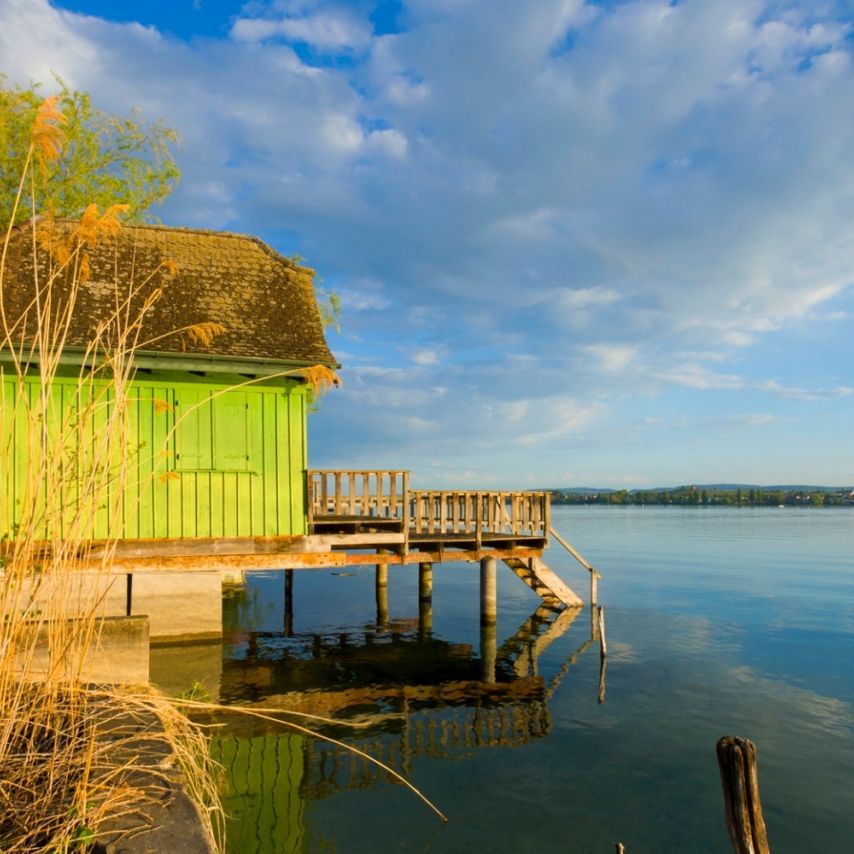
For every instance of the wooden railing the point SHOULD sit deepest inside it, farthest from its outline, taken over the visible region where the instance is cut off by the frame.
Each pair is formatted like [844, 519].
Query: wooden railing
[376, 493]
[386, 494]
[455, 512]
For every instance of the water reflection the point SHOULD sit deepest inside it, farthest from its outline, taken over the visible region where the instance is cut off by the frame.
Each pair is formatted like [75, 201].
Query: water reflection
[411, 693]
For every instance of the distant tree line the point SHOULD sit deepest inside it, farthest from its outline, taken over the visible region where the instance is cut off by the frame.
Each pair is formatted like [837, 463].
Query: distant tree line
[693, 496]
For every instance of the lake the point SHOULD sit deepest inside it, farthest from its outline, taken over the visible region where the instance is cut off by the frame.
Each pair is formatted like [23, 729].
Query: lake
[720, 621]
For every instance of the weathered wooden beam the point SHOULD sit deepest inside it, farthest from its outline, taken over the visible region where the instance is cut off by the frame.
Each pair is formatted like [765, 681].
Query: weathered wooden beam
[304, 552]
[594, 587]
[572, 550]
[742, 807]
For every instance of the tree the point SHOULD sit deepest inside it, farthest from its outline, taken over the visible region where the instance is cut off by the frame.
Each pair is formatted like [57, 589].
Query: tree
[105, 160]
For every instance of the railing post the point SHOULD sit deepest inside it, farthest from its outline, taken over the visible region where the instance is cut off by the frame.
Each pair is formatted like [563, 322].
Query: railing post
[547, 516]
[477, 520]
[392, 495]
[406, 510]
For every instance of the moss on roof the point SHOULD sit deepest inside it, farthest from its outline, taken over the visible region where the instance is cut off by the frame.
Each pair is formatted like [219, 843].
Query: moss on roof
[265, 301]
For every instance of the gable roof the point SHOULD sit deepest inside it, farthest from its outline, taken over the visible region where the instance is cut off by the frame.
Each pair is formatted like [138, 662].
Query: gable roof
[265, 301]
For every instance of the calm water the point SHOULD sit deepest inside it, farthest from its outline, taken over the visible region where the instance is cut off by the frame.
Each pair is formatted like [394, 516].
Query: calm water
[719, 621]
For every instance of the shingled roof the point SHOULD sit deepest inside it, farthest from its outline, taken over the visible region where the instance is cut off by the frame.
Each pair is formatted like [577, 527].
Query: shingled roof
[265, 301]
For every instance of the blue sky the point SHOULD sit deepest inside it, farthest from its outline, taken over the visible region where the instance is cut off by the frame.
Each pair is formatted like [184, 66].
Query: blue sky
[577, 243]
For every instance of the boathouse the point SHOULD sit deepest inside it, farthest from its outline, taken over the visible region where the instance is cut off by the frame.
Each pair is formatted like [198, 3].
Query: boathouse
[218, 475]
[216, 421]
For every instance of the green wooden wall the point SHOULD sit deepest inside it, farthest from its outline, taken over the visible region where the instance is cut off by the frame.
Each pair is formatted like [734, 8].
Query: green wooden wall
[202, 460]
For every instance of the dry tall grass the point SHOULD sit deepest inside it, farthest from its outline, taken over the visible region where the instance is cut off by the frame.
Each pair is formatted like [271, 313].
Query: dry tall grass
[66, 764]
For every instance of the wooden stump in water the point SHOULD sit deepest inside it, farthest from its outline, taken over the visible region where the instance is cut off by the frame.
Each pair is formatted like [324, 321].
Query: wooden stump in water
[742, 807]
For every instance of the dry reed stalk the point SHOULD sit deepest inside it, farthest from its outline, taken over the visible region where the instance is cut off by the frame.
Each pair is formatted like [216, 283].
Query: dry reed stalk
[67, 766]
[61, 777]
[275, 716]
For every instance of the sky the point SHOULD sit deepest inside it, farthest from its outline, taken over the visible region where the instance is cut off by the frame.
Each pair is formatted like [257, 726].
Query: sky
[576, 243]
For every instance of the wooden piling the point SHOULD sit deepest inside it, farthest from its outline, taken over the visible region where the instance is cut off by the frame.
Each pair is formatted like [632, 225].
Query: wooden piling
[594, 587]
[425, 582]
[600, 624]
[488, 591]
[381, 585]
[742, 807]
[425, 618]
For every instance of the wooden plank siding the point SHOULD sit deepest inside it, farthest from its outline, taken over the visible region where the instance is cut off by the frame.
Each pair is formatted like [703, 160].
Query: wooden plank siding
[232, 466]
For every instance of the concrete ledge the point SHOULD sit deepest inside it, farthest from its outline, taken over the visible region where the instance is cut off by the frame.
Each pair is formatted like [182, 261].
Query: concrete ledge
[170, 821]
[117, 655]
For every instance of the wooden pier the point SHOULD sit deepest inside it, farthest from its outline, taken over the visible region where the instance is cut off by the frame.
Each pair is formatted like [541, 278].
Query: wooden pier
[373, 517]
[365, 517]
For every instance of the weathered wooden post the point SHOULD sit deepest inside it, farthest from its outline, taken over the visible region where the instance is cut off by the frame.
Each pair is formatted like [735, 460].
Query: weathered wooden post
[600, 624]
[594, 587]
[425, 582]
[289, 603]
[425, 618]
[488, 592]
[742, 807]
[425, 599]
[381, 585]
[603, 651]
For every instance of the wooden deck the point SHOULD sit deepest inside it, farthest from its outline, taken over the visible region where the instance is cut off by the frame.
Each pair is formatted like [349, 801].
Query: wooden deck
[358, 518]
[361, 517]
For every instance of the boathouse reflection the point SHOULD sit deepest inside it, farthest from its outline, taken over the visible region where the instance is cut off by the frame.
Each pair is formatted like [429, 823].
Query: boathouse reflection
[410, 693]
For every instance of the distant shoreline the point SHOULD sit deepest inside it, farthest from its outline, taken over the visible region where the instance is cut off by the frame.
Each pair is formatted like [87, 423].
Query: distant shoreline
[697, 496]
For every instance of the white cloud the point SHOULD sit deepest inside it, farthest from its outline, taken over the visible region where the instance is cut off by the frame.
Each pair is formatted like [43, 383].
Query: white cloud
[612, 357]
[425, 357]
[574, 298]
[618, 195]
[333, 30]
[796, 393]
[694, 375]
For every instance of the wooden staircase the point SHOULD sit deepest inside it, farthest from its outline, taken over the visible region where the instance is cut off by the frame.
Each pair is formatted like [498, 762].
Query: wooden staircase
[544, 581]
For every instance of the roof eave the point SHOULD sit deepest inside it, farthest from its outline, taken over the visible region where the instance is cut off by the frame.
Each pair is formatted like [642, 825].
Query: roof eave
[211, 363]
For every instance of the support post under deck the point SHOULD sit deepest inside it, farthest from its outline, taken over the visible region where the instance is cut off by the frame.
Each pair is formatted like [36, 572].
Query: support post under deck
[488, 591]
[382, 593]
[425, 582]
[425, 618]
